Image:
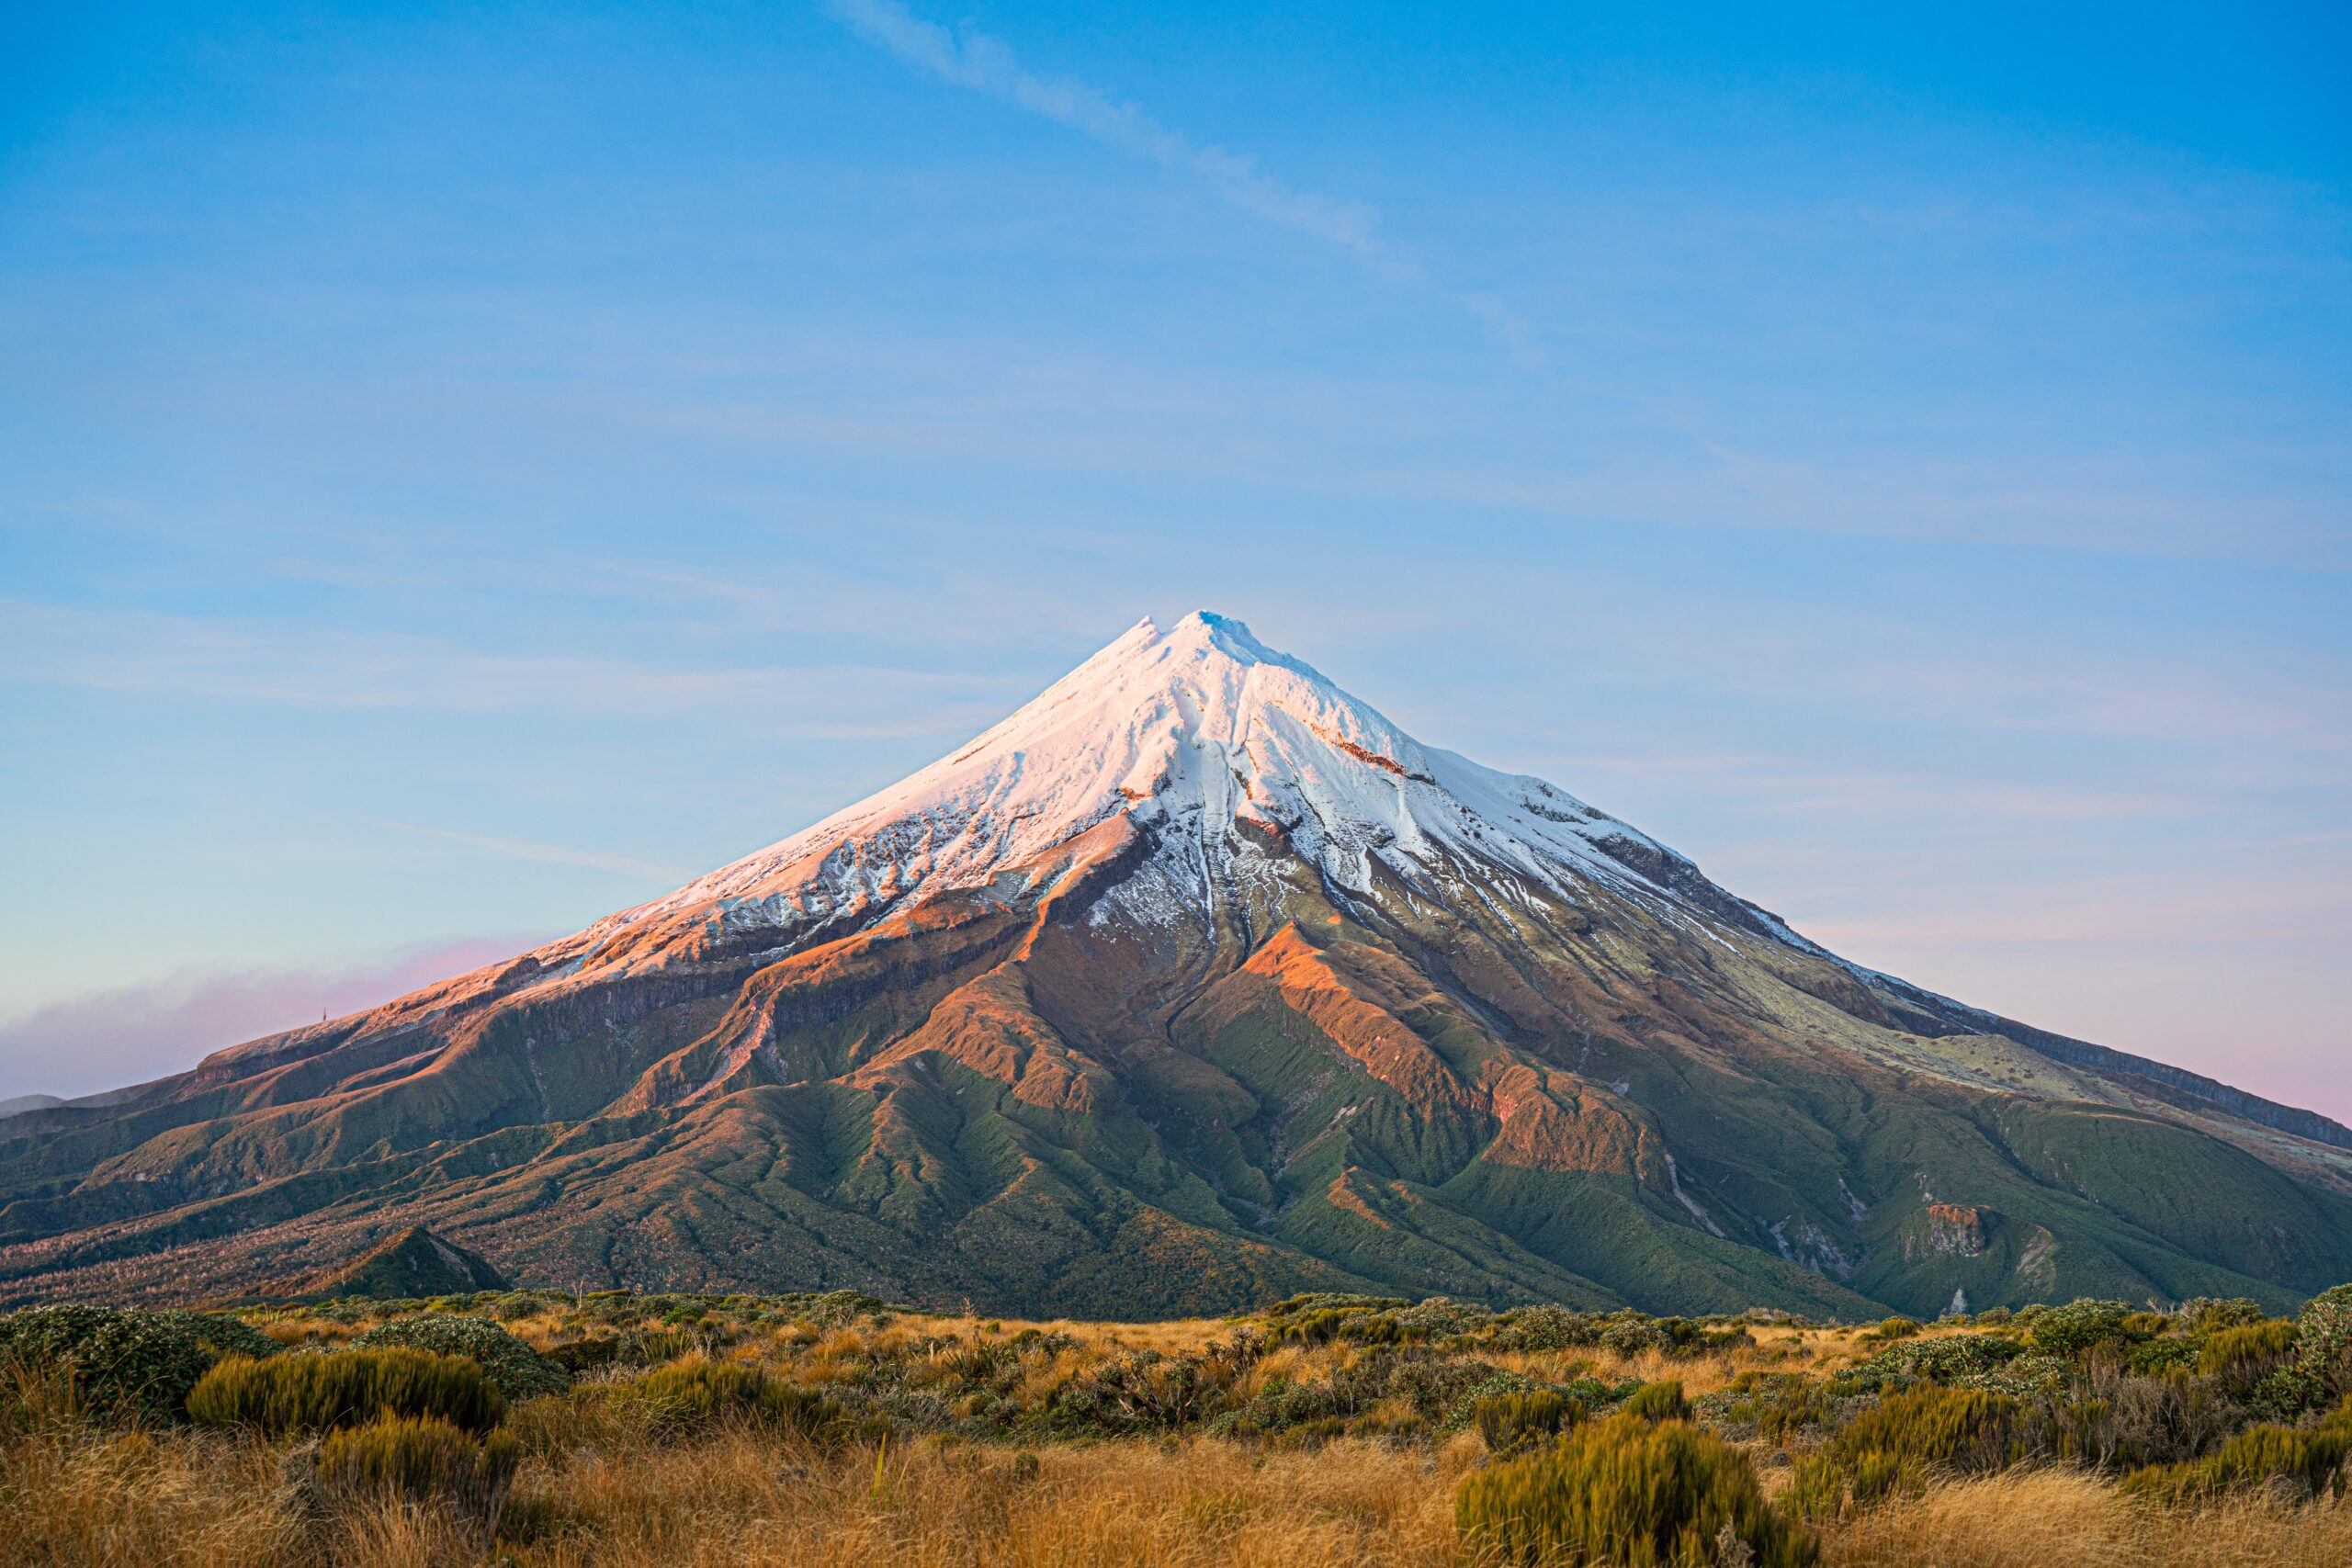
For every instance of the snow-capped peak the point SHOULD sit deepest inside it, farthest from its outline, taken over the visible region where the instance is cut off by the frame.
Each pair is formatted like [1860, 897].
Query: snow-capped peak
[1217, 746]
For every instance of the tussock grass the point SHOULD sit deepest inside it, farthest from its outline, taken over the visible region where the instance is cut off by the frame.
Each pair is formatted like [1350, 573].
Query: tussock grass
[1628, 1490]
[308, 1392]
[833, 1429]
[2039, 1518]
[741, 1495]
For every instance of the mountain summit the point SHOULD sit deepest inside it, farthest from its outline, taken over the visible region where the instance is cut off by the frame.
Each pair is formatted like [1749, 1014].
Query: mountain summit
[1222, 755]
[1195, 982]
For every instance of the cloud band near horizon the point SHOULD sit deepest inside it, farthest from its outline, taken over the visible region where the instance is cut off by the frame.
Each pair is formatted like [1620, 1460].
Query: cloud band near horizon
[131, 1034]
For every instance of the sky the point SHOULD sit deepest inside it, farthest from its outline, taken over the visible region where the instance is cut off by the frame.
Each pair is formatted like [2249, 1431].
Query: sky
[468, 468]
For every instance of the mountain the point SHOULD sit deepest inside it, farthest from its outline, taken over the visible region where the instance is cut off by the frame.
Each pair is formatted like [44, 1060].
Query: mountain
[1194, 983]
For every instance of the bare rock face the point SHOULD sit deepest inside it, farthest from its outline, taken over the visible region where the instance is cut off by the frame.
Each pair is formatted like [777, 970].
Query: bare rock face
[1946, 1230]
[1195, 982]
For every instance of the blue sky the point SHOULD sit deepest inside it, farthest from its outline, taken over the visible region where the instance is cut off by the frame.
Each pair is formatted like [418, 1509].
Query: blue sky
[467, 468]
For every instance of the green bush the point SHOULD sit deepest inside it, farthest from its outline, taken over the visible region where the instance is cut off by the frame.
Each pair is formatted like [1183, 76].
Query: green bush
[519, 1372]
[2204, 1314]
[1324, 1324]
[2324, 1340]
[2164, 1355]
[1966, 1431]
[1511, 1421]
[1895, 1328]
[125, 1365]
[695, 1395]
[224, 1336]
[1657, 1402]
[1631, 1492]
[1545, 1328]
[2242, 1357]
[311, 1393]
[2305, 1461]
[420, 1461]
[2079, 1326]
[1878, 1475]
[1951, 1360]
[1817, 1489]
[1781, 1406]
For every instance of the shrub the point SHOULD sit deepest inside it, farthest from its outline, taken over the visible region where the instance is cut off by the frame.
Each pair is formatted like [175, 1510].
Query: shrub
[1895, 1328]
[1816, 1488]
[2165, 1354]
[2203, 1315]
[1630, 1336]
[2029, 1376]
[833, 1309]
[2242, 1357]
[1439, 1318]
[2303, 1460]
[1951, 1360]
[697, 1394]
[1545, 1328]
[1878, 1475]
[2135, 1421]
[1657, 1402]
[1780, 1407]
[1967, 1430]
[519, 1372]
[313, 1393]
[420, 1461]
[2325, 1339]
[1631, 1492]
[224, 1336]
[125, 1365]
[1510, 1421]
[2078, 1326]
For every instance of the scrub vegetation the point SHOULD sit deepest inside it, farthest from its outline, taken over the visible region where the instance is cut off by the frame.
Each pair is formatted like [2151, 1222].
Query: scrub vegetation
[529, 1428]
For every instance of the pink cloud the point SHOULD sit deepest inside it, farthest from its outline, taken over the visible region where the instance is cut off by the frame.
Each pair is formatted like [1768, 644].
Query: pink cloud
[129, 1034]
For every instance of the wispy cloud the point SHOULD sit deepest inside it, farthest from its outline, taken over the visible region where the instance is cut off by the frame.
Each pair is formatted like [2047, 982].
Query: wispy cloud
[153, 654]
[983, 63]
[112, 1038]
[1782, 784]
[547, 854]
[966, 57]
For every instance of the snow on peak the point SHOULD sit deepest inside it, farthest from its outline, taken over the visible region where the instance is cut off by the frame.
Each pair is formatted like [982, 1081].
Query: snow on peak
[1217, 745]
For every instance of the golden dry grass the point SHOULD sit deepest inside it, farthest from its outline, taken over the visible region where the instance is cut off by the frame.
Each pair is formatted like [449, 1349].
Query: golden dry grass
[737, 1497]
[935, 1506]
[602, 1492]
[2059, 1519]
[187, 1500]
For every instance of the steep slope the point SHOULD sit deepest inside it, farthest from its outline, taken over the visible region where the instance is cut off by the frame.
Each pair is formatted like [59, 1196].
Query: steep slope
[1195, 982]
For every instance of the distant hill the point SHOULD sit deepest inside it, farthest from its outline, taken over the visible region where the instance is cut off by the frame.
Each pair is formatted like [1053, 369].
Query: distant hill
[413, 1264]
[1195, 983]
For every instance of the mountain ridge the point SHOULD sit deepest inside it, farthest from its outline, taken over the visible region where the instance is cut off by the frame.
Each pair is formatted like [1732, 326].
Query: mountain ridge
[1195, 977]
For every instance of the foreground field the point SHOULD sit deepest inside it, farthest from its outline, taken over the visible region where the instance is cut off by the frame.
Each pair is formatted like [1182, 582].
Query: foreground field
[738, 1499]
[824, 1430]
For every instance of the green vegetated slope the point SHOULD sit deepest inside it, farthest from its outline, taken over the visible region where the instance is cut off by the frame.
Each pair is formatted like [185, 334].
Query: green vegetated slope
[1046, 1104]
[415, 1263]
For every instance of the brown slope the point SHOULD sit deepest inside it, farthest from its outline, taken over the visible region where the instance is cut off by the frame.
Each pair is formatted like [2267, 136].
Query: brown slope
[1033, 1096]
